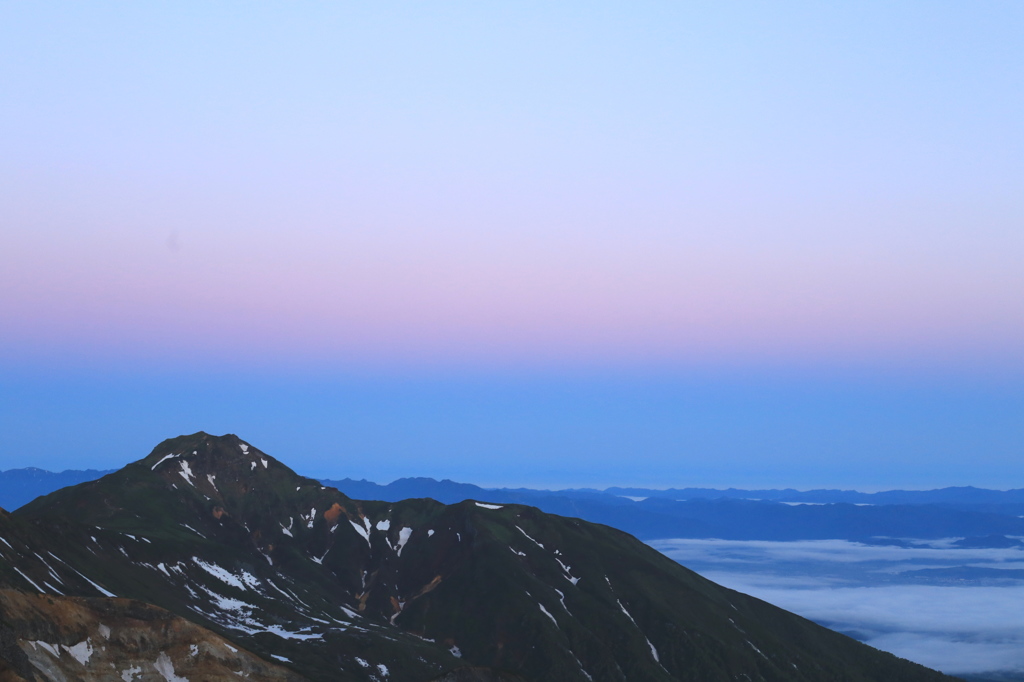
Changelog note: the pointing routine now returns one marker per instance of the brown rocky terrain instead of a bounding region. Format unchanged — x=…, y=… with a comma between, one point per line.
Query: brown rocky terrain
x=44, y=637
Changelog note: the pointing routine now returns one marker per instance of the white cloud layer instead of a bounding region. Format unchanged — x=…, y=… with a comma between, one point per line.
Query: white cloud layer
x=956, y=629
x=832, y=551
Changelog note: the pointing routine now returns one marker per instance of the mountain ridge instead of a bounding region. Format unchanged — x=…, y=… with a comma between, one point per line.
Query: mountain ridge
x=736, y=517
x=216, y=531
x=16, y=484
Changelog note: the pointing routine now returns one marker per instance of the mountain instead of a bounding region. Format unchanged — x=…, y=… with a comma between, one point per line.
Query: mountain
x=960, y=495
x=728, y=517
x=219, y=533
x=21, y=486
x=689, y=512
x=446, y=491
x=451, y=491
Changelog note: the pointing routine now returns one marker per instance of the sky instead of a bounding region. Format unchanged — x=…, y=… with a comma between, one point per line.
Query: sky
x=592, y=244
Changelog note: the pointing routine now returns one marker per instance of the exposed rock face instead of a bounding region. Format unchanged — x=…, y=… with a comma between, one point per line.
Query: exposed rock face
x=61, y=639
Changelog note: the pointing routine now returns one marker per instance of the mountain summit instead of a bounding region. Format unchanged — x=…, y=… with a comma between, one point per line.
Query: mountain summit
x=220, y=533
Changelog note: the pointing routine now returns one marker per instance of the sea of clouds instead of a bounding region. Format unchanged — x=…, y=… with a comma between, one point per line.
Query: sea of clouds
x=870, y=592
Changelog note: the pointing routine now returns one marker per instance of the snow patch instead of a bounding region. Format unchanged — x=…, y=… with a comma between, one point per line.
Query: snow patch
x=244, y=448
x=384, y=525
x=455, y=651
x=38, y=589
x=383, y=669
x=281, y=658
x=529, y=538
x=430, y=533
x=585, y=673
x=561, y=598
x=625, y=611
x=45, y=645
x=162, y=460
x=547, y=613
x=81, y=651
x=104, y=631
x=654, y=652
x=225, y=576
x=489, y=506
x=361, y=530
x=193, y=529
x=287, y=634
x=186, y=473
x=756, y=649
x=264, y=462
x=271, y=583
x=211, y=478
x=165, y=667
x=129, y=674
x=102, y=591
x=403, y=537
x=568, y=575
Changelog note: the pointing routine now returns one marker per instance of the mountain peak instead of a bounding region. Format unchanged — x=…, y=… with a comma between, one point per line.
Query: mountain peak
x=215, y=455
x=226, y=472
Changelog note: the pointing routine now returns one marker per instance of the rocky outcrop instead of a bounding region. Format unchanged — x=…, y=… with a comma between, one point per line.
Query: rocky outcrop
x=72, y=639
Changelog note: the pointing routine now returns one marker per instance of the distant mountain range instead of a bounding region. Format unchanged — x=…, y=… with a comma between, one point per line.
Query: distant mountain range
x=20, y=486
x=450, y=491
x=984, y=517
x=209, y=559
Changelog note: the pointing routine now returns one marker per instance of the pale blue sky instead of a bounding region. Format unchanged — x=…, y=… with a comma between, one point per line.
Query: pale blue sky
x=804, y=219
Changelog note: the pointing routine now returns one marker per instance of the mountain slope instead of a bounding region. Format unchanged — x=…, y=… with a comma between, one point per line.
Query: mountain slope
x=219, y=532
